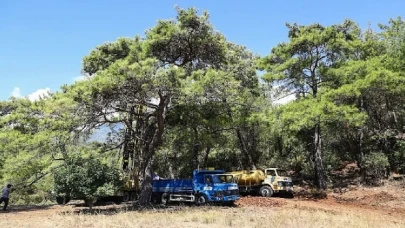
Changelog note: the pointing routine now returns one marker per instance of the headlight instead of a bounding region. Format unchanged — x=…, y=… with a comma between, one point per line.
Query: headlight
x=233, y=188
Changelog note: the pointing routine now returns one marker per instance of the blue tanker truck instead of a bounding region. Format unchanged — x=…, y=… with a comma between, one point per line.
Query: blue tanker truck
x=205, y=186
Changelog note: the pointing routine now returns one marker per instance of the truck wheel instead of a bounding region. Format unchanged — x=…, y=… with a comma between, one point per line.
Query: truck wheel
x=164, y=199
x=266, y=191
x=201, y=200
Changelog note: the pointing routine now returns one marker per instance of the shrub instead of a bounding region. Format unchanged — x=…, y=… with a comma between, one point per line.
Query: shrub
x=86, y=178
x=375, y=165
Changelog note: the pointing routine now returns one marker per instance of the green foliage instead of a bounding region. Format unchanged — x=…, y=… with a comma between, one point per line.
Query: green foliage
x=394, y=37
x=106, y=54
x=188, y=42
x=375, y=165
x=183, y=97
x=397, y=159
x=86, y=178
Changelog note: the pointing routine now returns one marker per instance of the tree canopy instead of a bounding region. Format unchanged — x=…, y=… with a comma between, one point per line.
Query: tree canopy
x=182, y=97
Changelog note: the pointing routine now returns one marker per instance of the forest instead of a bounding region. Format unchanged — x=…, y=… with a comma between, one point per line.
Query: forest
x=182, y=97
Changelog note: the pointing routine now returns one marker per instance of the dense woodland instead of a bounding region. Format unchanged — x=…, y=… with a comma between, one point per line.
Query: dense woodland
x=182, y=97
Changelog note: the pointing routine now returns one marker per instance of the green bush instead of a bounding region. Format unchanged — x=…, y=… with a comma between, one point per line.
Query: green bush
x=375, y=165
x=86, y=178
x=397, y=159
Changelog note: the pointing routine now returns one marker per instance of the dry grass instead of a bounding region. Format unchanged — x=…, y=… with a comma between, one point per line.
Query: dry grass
x=360, y=208
x=208, y=217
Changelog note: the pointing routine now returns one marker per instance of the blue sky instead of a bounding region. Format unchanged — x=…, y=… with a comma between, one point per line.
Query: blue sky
x=43, y=41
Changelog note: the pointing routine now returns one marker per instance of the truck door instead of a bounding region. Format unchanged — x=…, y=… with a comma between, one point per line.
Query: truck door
x=270, y=175
x=208, y=183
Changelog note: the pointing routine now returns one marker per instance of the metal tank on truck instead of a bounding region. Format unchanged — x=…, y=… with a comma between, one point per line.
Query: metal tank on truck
x=204, y=187
x=264, y=182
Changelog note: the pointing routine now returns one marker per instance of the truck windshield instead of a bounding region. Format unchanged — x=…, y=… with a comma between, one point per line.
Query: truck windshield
x=282, y=173
x=222, y=178
x=271, y=172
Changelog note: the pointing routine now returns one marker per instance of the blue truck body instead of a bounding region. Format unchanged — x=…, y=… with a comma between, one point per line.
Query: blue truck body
x=205, y=186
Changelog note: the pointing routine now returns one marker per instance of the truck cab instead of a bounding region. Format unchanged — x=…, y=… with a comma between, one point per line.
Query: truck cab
x=215, y=186
x=279, y=180
x=264, y=182
x=205, y=186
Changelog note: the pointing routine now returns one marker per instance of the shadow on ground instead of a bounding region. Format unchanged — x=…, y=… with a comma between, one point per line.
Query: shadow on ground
x=111, y=209
x=25, y=208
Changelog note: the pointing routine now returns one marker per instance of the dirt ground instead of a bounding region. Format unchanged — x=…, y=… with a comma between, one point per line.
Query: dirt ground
x=386, y=202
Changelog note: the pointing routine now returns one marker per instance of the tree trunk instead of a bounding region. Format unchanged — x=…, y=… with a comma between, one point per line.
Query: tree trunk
x=242, y=143
x=146, y=189
x=244, y=150
x=253, y=144
x=146, y=166
x=89, y=201
x=196, y=149
x=153, y=139
x=319, y=169
x=171, y=174
x=360, y=160
x=207, y=153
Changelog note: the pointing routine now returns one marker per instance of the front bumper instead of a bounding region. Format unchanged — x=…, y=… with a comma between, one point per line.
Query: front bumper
x=224, y=198
x=285, y=187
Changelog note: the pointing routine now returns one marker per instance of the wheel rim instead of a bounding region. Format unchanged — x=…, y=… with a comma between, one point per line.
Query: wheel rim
x=201, y=200
x=265, y=192
x=164, y=198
